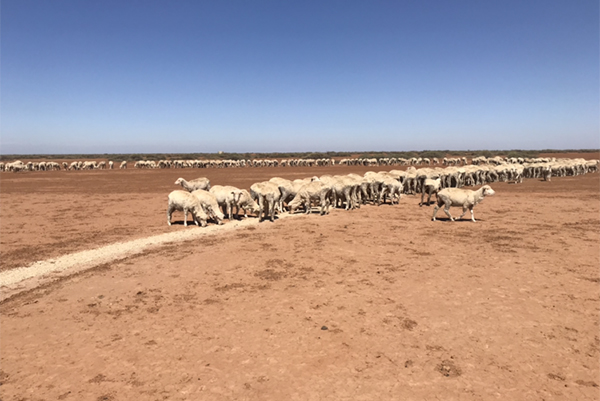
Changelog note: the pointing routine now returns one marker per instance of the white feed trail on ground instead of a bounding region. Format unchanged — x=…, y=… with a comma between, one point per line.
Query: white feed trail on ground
x=16, y=280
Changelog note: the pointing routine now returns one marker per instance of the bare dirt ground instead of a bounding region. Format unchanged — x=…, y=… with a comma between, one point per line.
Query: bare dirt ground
x=375, y=303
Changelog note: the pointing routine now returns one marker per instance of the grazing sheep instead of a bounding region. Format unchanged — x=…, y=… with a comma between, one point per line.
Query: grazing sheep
x=123, y=165
x=245, y=202
x=228, y=197
x=198, y=183
x=287, y=191
x=390, y=187
x=15, y=166
x=225, y=196
x=186, y=202
x=461, y=197
x=90, y=165
x=313, y=191
x=430, y=186
x=111, y=165
x=547, y=173
x=343, y=190
x=267, y=194
x=209, y=204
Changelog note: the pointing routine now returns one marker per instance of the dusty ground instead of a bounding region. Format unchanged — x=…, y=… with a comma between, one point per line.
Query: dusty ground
x=376, y=303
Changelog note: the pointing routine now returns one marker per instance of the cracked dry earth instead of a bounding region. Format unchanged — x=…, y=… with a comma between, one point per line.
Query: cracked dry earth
x=375, y=303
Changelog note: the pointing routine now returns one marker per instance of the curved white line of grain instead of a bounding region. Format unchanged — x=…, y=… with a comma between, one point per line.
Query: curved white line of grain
x=14, y=281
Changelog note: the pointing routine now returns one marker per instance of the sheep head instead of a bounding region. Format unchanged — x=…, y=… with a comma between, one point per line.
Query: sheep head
x=295, y=204
x=252, y=206
x=487, y=190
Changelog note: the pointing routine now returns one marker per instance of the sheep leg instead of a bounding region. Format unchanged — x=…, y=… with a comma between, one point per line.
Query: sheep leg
x=272, y=209
x=447, y=211
x=348, y=198
x=227, y=210
x=465, y=208
x=381, y=196
x=169, y=213
x=261, y=205
x=324, y=205
x=185, y=212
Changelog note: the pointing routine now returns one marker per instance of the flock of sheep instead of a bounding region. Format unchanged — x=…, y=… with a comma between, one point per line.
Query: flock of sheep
x=350, y=191
x=19, y=166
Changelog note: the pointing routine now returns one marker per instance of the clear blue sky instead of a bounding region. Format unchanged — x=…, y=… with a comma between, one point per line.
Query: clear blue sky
x=267, y=76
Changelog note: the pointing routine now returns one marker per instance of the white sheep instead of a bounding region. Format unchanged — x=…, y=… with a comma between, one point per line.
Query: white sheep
x=391, y=187
x=245, y=202
x=225, y=196
x=186, y=202
x=123, y=165
x=228, y=196
x=198, y=183
x=461, y=197
x=267, y=194
x=313, y=191
x=209, y=204
x=430, y=186
x=287, y=191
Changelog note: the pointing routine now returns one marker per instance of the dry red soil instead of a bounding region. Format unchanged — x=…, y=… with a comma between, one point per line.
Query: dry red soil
x=374, y=303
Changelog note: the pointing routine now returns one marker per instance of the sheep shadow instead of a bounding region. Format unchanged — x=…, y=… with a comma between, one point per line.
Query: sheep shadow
x=275, y=218
x=456, y=220
x=180, y=223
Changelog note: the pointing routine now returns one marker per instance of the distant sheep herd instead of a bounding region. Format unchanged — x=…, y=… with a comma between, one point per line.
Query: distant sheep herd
x=350, y=191
x=19, y=166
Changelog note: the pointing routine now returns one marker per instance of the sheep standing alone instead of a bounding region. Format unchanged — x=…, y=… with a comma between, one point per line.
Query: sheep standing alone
x=186, y=202
x=461, y=197
x=191, y=186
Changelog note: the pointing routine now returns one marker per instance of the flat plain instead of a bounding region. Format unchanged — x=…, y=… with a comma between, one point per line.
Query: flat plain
x=373, y=303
